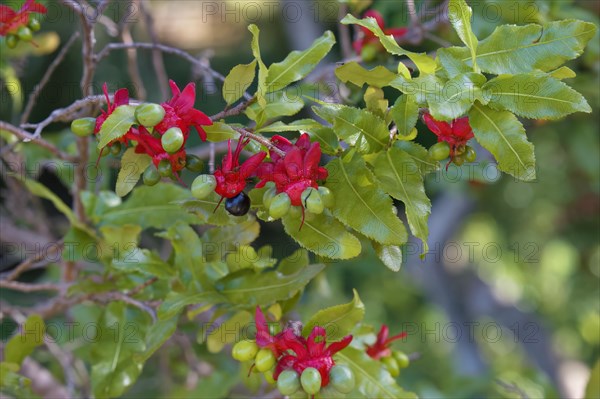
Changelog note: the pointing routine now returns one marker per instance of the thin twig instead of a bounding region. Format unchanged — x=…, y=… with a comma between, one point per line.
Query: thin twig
x=28, y=137
x=157, y=60
x=25, y=287
x=237, y=110
x=28, y=263
x=132, y=65
x=260, y=139
x=344, y=30
x=38, y=89
x=142, y=286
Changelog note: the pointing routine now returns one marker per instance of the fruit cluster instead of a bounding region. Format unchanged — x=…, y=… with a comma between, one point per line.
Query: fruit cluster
x=292, y=178
x=299, y=366
x=393, y=360
x=452, y=140
x=17, y=25
x=160, y=131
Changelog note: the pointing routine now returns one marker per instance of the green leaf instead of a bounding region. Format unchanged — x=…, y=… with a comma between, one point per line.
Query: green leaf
x=563, y=73
x=420, y=155
x=501, y=133
x=521, y=49
x=188, y=254
x=456, y=96
x=143, y=261
x=116, y=125
x=534, y=95
x=132, y=167
x=451, y=58
x=237, y=81
x=425, y=63
x=405, y=113
x=372, y=378
x=459, y=14
x=277, y=104
x=261, y=90
x=399, y=176
x=295, y=126
x=375, y=101
x=389, y=255
x=176, y=301
x=151, y=207
x=338, y=320
x=219, y=131
x=299, y=63
x=114, y=369
x=224, y=239
x=251, y=289
x=323, y=235
x=354, y=73
x=23, y=343
x=157, y=335
x=358, y=127
x=364, y=206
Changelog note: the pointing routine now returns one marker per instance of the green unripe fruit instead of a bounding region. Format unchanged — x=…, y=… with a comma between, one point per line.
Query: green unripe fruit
x=83, y=127
x=268, y=196
x=116, y=148
x=327, y=197
x=164, y=168
x=459, y=160
x=342, y=379
x=172, y=140
x=311, y=199
x=311, y=380
x=244, y=351
x=24, y=33
x=12, y=41
x=265, y=360
x=392, y=366
x=203, y=186
x=269, y=377
x=439, y=151
x=402, y=359
x=34, y=25
x=104, y=151
x=470, y=154
x=149, y=115
x=193, y=163
x=368, y=53
x=151, y=176
x=288, y=382
x=280, y=205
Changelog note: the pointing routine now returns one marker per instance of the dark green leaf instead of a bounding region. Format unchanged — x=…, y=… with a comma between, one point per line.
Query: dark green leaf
x=405, y=113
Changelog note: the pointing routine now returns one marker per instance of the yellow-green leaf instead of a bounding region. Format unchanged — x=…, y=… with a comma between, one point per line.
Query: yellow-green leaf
x=354, y=73
x=459, y=14
x=237, y=81
x=338, y=320
x=116, y=125
x=132, y=167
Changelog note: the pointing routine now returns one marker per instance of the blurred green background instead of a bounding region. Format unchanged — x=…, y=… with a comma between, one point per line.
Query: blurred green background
x=507, y=304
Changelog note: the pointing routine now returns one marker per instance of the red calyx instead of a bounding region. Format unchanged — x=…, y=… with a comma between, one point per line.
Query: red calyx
x=381, y=347
x=456, y=133
x=296, y=171
x=11, y=20
x=232, y=177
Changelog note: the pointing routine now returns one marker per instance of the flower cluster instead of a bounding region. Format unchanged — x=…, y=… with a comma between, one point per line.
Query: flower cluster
x=296, y=171
x=381, y=350
x=452, y=139
x=295, y=361
x=367, y=39
x=162, y=130
x=231, y=176
x=11, y=20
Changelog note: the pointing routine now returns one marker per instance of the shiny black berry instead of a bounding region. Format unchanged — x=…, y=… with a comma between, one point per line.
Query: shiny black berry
x=238, y=205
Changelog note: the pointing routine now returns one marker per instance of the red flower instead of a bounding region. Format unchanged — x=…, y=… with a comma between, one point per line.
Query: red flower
x=152, y=146
x=296, y=171
x=455, y=133
x=381, y=347
x=368, y=37
x=121, y=97
x=309, y=352
x=11, y=20
x=296, y=352
x=180, y=112
x=231, y=177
